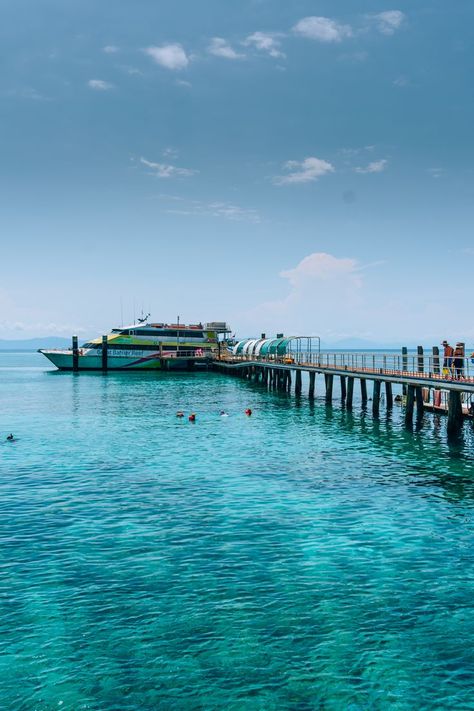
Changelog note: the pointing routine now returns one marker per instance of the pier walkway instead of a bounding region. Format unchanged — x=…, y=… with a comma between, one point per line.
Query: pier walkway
x=424, y=380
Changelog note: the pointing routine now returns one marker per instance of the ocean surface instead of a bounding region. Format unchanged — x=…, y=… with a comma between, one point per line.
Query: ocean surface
x=302, y=558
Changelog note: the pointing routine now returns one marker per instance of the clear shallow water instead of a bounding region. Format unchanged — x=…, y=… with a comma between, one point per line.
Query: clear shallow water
x=304, y=558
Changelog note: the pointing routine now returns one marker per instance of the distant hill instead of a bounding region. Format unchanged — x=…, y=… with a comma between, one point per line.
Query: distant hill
x=32, y=344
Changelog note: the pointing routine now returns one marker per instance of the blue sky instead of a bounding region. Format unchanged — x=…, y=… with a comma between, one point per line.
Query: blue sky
x=303, y=167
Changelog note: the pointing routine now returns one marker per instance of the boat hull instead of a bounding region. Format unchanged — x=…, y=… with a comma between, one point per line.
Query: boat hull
x=63, y=360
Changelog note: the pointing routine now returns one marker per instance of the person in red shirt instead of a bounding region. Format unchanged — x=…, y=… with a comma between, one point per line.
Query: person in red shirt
x=448, y=356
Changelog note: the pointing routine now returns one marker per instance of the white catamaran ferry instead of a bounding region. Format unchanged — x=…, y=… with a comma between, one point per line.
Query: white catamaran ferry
x=144, y=346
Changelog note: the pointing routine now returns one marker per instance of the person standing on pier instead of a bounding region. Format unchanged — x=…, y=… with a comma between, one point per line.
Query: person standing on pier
x=448, y=358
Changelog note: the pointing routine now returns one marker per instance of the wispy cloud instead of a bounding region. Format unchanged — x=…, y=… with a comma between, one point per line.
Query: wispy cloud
x=43, y=328
x=219, y=47
x=436, y=172
x=354, y=57
x=218, y=209
x=131, y=71
x=305, y=171
x=28, y=92
x=170, y=152
x=377, y=166
x=388, y=22
x=401, y=81
x=99, y=85
x=265, y=42
x=323, y=29
x=165, y=170
x=170, y=56
x=110, y=49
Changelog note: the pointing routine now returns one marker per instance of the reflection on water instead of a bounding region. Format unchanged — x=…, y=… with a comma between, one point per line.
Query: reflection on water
x=305, y=557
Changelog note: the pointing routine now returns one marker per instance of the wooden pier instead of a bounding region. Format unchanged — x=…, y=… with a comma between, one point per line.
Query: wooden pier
x=421, y=377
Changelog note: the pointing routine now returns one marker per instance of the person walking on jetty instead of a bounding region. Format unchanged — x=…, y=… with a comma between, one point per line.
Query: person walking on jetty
x=448, y=358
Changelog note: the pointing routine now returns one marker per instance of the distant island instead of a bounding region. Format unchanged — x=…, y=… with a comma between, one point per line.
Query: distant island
x=32, y=344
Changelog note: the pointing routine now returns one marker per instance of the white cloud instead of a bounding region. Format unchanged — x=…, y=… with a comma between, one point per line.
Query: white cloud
x=305, y=171
x=110, y=49
x=170, y=56
x=99, y=85
x=322, y=29
x=321, y=266
x=182, y=82
x=318, y=278
x=165, y=170
x=377, y=166
x=220, y=48
x=265, y=42
x=388, y=22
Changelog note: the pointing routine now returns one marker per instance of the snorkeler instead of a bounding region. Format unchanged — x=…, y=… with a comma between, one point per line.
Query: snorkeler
x=10, y=437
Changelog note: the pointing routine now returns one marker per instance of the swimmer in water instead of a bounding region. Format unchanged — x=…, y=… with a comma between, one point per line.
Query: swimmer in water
x=224, y=413
x=248, y=412
x=192, y=417
x=10, y=437
x=180, y=413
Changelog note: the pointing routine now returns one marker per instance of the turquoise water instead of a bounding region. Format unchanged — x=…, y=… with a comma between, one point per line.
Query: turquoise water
x=303, y=558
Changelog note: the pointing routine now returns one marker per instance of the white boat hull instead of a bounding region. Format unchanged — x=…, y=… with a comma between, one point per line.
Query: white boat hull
x=131, y=360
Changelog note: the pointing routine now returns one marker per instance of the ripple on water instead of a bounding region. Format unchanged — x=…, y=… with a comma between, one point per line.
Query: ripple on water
x=303, y=558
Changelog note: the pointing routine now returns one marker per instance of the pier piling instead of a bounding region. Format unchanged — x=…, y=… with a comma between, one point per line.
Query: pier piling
x=376, y=398
x=298, y=382
x=436, y=364
x=419, y=403
x=421, y=360
x=404, y=366
x=343, y=388
x=389, y=395
x=409, y=405
x=363, y=391
x=75, y=353
x=312, y=378
x=105, y=349
x=350, y=392
x=454, y=412
x=329, y=383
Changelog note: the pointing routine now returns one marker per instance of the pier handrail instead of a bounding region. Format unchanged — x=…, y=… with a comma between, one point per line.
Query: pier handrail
x=389, y=364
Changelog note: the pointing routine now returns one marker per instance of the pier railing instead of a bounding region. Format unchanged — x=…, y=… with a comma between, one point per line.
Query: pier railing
x=389, y=364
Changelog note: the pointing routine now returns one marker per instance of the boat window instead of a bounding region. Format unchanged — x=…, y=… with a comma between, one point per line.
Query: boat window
x=166, y=333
